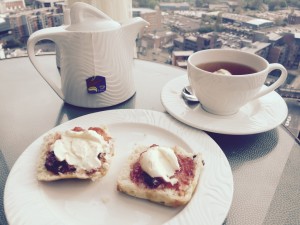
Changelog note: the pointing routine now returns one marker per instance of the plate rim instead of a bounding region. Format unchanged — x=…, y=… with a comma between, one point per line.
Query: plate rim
x=124, y=111
x=184, y=80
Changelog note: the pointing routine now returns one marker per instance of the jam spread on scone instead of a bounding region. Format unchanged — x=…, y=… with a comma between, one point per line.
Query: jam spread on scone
x=55, y=166
x=182, y=176
x=78, y=149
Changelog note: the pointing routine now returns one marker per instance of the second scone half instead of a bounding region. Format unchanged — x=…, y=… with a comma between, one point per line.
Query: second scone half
x=165, y=175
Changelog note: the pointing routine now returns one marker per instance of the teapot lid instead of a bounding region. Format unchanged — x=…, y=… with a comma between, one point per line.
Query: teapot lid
x=85, y=17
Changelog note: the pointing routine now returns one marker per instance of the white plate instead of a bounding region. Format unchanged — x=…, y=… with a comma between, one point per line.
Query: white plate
x=258, y=116
x=27, y=201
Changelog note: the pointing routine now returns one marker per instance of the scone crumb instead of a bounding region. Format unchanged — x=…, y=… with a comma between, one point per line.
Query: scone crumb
x=105, y=199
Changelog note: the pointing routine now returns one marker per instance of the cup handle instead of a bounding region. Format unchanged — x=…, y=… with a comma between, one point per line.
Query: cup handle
x=44, y=34
x=278, y=82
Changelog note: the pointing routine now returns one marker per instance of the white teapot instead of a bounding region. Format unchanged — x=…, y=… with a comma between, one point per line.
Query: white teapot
x=96, y=56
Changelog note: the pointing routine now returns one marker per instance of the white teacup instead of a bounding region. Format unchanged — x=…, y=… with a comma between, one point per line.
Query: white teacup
x=225, y=94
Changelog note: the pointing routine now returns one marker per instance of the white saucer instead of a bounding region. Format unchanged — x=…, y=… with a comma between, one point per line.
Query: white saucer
x=258, y=116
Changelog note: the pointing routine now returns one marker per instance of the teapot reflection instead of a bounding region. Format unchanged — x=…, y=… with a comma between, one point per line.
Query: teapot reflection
x=96, y=55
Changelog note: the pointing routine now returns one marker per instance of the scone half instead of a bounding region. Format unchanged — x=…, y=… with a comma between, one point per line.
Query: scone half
x=74, y=146
x=133, y=181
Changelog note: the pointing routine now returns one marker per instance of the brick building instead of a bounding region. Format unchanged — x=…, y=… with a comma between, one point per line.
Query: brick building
x=197, y=43
x=10, y=5
x=25, y=23
x=294, y=18
x=179, y=58
x=152, y=16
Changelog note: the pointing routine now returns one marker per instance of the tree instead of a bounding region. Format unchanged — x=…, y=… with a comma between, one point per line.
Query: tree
x=198, y=3
x=148, y=3
x=283, y=4
x=272, y=5
x=206, y=29
x=277, y=4
x=254, y=4
x=13, y=43
x=218, y=23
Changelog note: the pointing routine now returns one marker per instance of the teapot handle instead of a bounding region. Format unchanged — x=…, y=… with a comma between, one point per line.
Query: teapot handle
x=44, y=34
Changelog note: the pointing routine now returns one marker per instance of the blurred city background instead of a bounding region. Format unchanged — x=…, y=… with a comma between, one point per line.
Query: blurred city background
x=269, y=28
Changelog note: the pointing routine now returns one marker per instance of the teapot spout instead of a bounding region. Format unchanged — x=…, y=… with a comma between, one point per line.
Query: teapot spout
x=132, y=28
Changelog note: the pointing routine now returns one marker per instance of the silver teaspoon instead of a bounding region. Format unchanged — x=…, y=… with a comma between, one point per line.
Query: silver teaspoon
x=188, y=95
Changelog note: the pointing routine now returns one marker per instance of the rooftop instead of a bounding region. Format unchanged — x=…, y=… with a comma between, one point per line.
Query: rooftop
x=176, y=4
x=273, y=36
x=237, y=17
x=182, y=63
x=297, y=35
x=143, y=10
x=255, y=47
x=191, y=38
x=258, y=21
x=182, y=53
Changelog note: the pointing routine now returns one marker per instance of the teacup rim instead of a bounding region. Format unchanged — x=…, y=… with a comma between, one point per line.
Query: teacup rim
x=266, y=63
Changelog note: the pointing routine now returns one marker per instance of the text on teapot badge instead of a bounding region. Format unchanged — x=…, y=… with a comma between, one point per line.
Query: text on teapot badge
x=96, y=84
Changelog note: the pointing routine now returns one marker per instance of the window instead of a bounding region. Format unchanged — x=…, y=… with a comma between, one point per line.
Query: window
x=177, y=28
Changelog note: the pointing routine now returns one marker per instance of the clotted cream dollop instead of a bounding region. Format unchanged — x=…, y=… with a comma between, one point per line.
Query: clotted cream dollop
x=160, y=162
x=81, y=148
x=222, y=72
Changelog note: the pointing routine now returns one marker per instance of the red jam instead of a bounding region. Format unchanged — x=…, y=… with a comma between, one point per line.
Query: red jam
x=55, y=166
x=185, y=175
x=99, y=130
